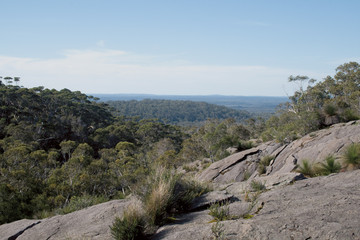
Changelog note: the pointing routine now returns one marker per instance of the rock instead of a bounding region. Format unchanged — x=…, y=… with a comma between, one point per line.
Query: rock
x=317, y=208
x=234, y=167
x=91, y=223
x=317, y=146
x=209, y=198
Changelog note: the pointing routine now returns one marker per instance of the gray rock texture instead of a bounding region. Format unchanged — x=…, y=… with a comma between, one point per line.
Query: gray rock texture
x=90, y=223
x=316, y=208
x=314, y=147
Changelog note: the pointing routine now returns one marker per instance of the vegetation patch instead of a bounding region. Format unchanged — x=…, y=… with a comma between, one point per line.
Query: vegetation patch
x=264, y=162
x=351, y=156
x=220, y=212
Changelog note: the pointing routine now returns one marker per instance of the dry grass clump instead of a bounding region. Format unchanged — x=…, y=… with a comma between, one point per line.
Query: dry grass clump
x=351, y=156
x=162, y=195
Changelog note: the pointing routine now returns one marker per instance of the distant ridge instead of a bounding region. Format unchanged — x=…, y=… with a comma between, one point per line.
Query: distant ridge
x=252, y=104
x=182, y=112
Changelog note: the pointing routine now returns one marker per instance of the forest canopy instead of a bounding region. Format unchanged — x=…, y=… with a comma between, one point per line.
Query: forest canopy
x=176, y=111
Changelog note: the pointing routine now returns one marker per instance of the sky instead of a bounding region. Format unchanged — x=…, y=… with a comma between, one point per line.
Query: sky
x=187, y=47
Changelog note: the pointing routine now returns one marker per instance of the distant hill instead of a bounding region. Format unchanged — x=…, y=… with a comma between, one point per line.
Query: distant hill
x=252, y=104
x=176, y=111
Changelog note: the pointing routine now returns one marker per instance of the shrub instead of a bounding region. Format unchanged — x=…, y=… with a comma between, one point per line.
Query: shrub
x=330, y=110
x=351, y=155
x=131, y=226
x=329, y=166
x=306, y=168
x=166, y=193
x=247, y=175
x=257, y=186
x=349, y=115
x=264, y=162
x=217, y=230
x=243, y=145
x=159, y=196
x=77, y=203
x=220, y=212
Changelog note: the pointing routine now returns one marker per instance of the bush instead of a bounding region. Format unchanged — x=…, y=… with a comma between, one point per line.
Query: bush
x=131, y=226
x=306, y=168
x=330, y=110
x=77, y=203
x=349, y=115
x=264, y=162
x=165, y=194
x=257, y=186
x=160, y=197
x=329, y=166
x=351, y=155
x=217, y=230
x=243, y=145
x=220, y=212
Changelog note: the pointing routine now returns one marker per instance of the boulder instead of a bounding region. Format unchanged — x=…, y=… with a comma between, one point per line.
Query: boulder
x=90, y=223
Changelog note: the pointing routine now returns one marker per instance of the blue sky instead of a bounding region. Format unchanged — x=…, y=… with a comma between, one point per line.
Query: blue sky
x=196, y=47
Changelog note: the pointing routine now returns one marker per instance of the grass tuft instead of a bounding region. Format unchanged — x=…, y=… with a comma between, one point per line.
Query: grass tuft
x=351, y=156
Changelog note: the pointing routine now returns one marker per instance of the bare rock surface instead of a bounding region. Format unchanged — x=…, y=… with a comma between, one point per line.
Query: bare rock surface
x=318, y=208
x=314, y=147
x=90, y=223
x=234, y=167
x=209, y=198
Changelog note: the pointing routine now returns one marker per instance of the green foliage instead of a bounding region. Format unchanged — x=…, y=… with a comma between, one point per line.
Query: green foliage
x=330, y=109
x=176, y=112
x=220, y=212
x=243, y=145
x=257, y=186
x=312, y=103
x=351, y=156
x=329, y=166
x=217, y=230
x=264, y=162
x=165, y=193
x=306, y=168
x=130, y=227
x=84, y=201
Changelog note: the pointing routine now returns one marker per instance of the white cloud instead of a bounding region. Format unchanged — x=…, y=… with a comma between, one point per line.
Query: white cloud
x=114, y=71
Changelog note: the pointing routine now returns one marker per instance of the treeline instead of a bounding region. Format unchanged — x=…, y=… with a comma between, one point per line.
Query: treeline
x=176, y=111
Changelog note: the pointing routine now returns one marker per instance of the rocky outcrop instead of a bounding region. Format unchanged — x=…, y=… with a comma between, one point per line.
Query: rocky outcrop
x=314, y=147
x=316, y=208
x=90, y=223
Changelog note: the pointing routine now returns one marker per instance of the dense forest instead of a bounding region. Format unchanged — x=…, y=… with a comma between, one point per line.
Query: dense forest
x=176, y=112
x=59, y=149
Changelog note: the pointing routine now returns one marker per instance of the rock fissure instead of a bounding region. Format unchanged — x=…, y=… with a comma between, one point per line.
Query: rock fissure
x=227, y=168
x=15, y=236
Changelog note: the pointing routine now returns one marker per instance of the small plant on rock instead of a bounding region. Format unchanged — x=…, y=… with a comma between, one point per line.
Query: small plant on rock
x=218, y=232
x=306, y=168
x=329, y=166
x=220, y=212
x=257, y=186
x=264, y=162
x=131, y=226
x=351, y=155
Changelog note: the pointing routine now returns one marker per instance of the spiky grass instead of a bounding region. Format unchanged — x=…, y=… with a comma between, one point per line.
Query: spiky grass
x=351, y=155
